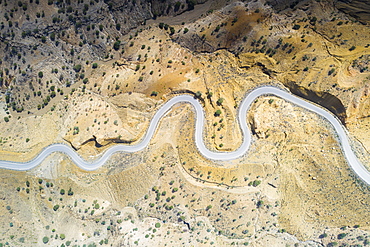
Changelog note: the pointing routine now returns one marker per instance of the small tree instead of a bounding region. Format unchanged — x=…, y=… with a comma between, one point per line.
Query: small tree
x=217, y=113
x=94, y=65
x=62, y=191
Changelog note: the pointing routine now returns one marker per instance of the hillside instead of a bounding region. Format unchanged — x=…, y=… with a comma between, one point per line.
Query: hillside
x=91, y=74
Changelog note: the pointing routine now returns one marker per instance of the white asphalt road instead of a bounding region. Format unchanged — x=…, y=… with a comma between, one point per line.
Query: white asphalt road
x=354, y=163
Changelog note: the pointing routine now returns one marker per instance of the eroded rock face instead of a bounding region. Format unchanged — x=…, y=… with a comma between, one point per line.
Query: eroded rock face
x=280, y=5
x=360, y=9
x=324, y=99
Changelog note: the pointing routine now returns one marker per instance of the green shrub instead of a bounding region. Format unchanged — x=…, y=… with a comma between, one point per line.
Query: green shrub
x=94, y=65
x=77, y=68
x=117, y=45
x=70, y=192
x=342, y=235
x=296, y=27
x=331, y=71
x=256, y=183
x=45, y=240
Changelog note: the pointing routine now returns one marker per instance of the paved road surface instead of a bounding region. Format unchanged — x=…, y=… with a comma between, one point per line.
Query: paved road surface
x=353, y=162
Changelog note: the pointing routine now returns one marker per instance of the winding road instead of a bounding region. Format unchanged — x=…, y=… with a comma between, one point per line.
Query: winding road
x=352, y=160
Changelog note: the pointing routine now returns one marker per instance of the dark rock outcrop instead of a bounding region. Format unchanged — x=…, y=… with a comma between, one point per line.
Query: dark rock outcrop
x=359, y=9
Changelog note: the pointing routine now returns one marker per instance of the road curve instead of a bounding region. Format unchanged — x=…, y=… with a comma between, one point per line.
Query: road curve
x=354, y=163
